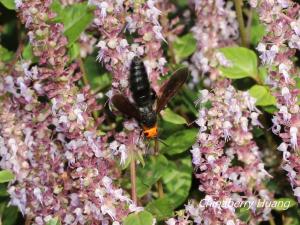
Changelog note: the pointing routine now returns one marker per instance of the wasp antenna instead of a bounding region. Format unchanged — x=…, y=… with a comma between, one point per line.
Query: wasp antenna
x=161, y=141
x=189, y=124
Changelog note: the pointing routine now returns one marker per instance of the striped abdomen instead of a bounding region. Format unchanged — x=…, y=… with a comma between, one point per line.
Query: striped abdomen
x=139, y=83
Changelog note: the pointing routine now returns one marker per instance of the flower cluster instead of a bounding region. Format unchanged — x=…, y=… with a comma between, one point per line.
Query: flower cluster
x=228, y=161
x=115, y=19
x=282, y=21
x=215, y=27
x=48, y=137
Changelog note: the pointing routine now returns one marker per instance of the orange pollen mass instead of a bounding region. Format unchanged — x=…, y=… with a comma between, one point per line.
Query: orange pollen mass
x=150, y=132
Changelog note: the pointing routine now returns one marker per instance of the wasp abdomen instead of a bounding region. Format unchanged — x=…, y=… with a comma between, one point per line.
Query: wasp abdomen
x=139, y=83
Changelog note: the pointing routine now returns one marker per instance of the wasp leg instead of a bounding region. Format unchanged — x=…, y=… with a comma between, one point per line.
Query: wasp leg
x=140, y=135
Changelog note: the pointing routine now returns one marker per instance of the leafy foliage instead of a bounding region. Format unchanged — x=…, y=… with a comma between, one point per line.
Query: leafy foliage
x=177, y=180
x=75, y=18
x=141, y=218
x=9, y=4
x=172, y=166
x=243, y=63
x=160, y=208
x=184, y=46
x=179, y=141
x=150, y=174
x=172, y=117
x=6, y=176
x=262, y=95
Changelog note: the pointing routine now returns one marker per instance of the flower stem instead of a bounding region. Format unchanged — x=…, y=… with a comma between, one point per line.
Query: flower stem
x=272, y=221
x=84, y=77
x=239, y=14
x=160, y=188
x=133, y=181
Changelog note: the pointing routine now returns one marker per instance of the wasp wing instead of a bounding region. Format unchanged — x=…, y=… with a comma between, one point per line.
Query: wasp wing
x=125, y=106
x=170, y=88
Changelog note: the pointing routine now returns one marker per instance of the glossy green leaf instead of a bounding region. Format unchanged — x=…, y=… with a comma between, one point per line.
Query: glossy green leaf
x=243, y=63
x=54, y=221
x=297, y=79
x=97, y=78
x=262, y=95
x=10, y=215
x=257, y=29
x=182, y=3
x=74, y=51
x=184, y=46
x=3, y=190
x=270, y=109
x=282, y=204
x=257, y=132
x=5, y=55
x=6, y=176
x=177, y=180
x=9, y=4
x=172, y=117
x=141, y=218
x=75, y=18
x=262, y=74
x=150, y=173
x=27, y=54
x=179, y=142
x=244, y=214
x=161, y=208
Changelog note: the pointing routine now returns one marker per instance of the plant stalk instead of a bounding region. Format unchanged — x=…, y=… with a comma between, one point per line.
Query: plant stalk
x=240, y=19
x=133, y=181
x=160, y=188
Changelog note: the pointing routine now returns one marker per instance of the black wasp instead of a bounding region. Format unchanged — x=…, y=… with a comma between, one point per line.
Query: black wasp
x=144, y=96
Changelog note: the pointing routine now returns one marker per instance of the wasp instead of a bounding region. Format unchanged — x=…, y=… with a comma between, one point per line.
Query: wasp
x=143, y=109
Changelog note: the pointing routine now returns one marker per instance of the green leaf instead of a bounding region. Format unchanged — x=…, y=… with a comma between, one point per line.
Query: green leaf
x=54, y=221
x=297, y=79
x=5, y=55
x=74, y=51
x=150, y=174
x=97, y=78
x=6, y=176
x=262, y=74
x=179, y=141
x=3, y=190
x=184, y=46
x=270, y=109
x=262, y=95
x=258, y=30
x=9, y=4
x=27, y=54
x=160, y=208
x=75, y=18
x=141, y=218
x=243, y=63
x=181, y=3
x=170, y=116
x=10, y=215
x=177, y=180
x=244, y=214
x=257, y=132
x=282, y=204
